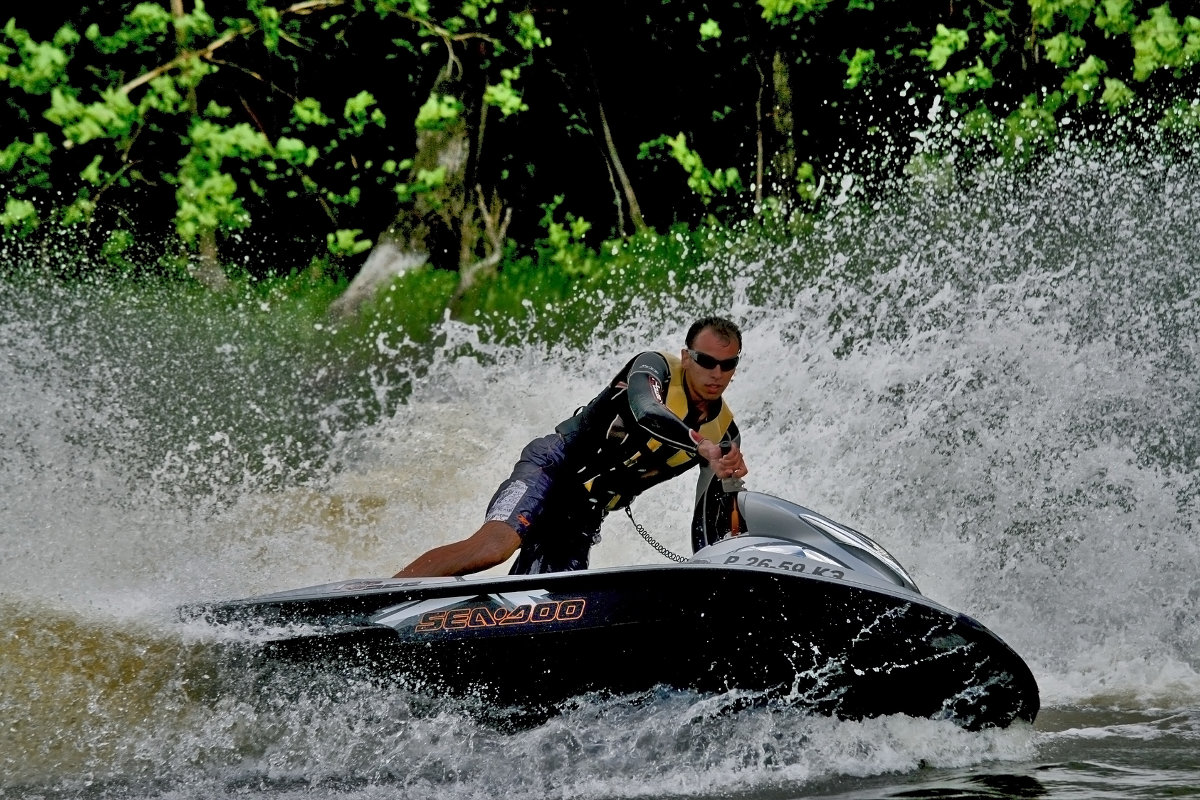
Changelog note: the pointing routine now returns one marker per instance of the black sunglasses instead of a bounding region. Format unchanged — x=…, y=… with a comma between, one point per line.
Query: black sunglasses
x=708, y=362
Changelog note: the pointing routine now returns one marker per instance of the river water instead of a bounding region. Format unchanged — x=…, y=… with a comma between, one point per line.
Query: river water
x=1000, y=381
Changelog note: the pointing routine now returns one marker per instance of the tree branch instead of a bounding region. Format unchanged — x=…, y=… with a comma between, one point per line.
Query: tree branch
x=306, y=7
x=183, y=58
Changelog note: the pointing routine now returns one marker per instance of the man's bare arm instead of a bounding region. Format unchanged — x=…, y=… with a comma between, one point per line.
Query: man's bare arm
x=490, y=545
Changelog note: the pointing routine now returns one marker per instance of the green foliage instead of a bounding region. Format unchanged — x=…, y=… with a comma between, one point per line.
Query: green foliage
x=705, y=183
x=19, y=218
x=1013, y=80
x=427, y=181
x=39, y=66
x=207, y=195
x=361, y=110
x=541, y=297
x=504, y=95
x=1083, y=82
x=27, y=162
x=409, y=309
x=1116, y=94
x=966, y=79
x=945, y=43
x=112, y=117
x=807, y=183
x=295, y=151
x=1030, y=127
x=1183, y=115
x=858, y=66
x=564, y=244
x=1115, y=17
x=1048, y=13
x=144, y=27
x=307, y=111
x=785, y=12
x=117, y=250
x=211, y=124
x=1161, y=42
x=347, y=242
x=438, y=111
x=296, y=121
x=525, y=32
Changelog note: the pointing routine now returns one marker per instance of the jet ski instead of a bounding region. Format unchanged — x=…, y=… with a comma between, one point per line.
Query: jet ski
x=779, y=605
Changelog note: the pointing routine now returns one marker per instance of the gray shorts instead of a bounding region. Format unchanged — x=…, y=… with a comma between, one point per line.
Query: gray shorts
x=557, y=522
x=523, y=497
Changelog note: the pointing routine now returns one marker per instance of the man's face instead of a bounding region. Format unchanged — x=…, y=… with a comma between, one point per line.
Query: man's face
x=708, y=383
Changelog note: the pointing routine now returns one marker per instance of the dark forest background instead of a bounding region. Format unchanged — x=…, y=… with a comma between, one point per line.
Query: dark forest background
x=247, y=138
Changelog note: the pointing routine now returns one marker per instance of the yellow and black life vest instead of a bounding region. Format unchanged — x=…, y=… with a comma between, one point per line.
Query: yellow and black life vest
x=616, y=458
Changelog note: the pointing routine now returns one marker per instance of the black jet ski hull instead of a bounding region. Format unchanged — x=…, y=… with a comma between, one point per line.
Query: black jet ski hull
x=789, y=633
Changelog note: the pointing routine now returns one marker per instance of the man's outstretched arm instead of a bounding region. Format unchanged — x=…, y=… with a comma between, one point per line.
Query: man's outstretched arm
x=492, y=544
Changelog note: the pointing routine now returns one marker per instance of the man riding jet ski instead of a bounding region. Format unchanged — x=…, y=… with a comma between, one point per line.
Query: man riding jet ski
x=778, y=604
x=660, y=416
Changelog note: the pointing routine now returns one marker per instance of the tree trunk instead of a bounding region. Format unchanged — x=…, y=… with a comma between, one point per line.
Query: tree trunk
x=783, y=158
x=438, y=227
x=495, y=219
x=617, y=170
x=205, y=268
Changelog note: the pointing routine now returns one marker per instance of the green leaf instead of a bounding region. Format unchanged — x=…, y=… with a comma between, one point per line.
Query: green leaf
x=1076, y=13
x=361, y=111
x=113, y=117
x=1183, y=115
x=1115, y=16
x=1084, y=81
x=525, y=31
x=438, y=111
x=91, y=173
x=504, y=95
x=1116, y=94
x=785, y=12
x=307, y=111
x=78, y=212
x=346, y=242
x=41, y=66
x=1161, y=42
x=146, y=25
x=858, y=67
x=701, y=180
x=945, y=43
x=19, y=218
x=28, y=156
x=1061, y=48
x=976, y=76
x=295, y=151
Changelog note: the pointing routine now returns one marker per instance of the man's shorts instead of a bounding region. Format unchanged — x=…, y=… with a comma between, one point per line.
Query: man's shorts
x=522, y=498
x=557, y=522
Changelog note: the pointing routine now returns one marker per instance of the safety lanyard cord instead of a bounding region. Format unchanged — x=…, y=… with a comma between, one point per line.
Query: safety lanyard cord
x=653, y=542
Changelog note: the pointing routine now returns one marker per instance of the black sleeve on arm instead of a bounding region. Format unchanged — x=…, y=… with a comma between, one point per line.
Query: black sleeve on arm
x=648, y=380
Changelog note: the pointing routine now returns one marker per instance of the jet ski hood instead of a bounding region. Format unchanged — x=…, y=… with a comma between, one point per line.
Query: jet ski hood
x=773, y=525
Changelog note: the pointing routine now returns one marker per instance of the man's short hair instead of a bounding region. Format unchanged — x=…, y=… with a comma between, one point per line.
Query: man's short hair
x=722, y=327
